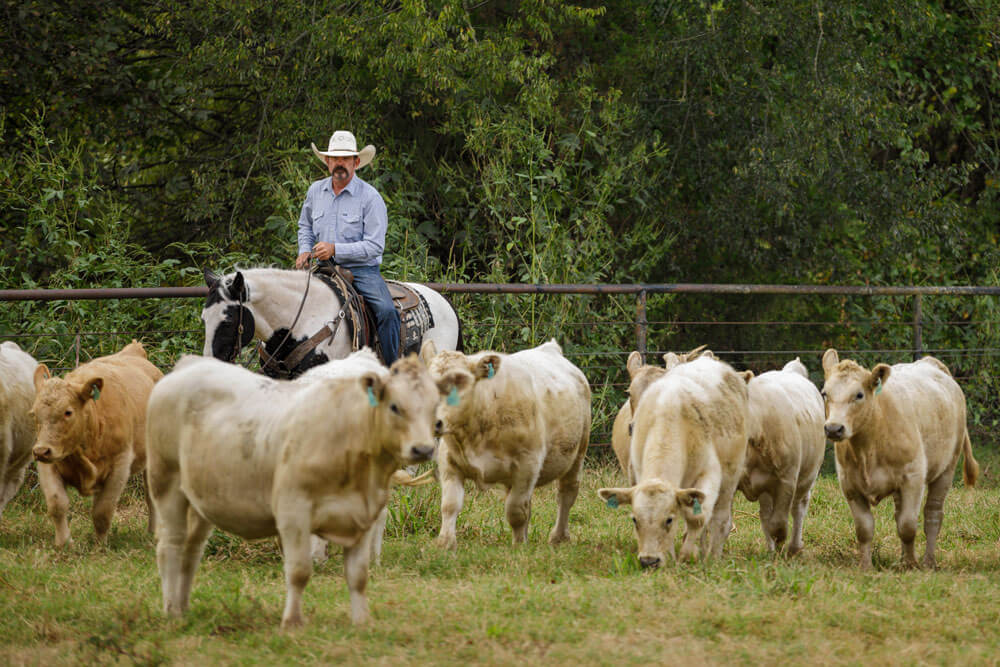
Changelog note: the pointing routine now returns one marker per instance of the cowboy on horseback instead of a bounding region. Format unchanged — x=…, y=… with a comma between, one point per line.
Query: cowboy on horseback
x=344, y=221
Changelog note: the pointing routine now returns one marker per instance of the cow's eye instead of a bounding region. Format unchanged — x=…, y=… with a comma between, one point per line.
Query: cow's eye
x=668, y=522
x=68, y=413
x=858, y=396
x=634, y=522
x=394, y=408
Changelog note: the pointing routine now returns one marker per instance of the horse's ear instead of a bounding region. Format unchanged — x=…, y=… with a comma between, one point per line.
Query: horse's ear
x=238, y=287
x=210, y=278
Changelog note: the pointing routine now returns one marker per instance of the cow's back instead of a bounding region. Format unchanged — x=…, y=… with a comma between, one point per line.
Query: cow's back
x=924, y=394
x=219, y=427
x=691, y=419
x=786, y=420
x=17, y=392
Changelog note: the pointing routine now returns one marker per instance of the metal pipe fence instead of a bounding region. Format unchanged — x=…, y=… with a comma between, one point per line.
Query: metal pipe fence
x=738, y=322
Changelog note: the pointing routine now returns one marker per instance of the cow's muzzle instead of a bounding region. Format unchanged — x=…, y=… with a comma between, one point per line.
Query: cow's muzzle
x=420, y=453
x=42, y=453
x=834, y=431
x=650, y=561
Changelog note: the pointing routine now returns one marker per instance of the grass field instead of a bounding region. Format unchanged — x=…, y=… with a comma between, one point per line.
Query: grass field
x=489, y=603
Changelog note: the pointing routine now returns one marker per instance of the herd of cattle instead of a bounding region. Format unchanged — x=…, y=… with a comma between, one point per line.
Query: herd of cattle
x=312, y=460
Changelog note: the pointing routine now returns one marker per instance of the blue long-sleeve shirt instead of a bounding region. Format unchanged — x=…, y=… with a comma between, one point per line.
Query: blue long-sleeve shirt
x=355, y=221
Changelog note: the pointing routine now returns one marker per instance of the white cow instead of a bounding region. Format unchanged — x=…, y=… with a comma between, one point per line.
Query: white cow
x=259, y=457
x=688, y=447
x=785, y=450
x=897, y=430
x=17, y=426
x=521, y=420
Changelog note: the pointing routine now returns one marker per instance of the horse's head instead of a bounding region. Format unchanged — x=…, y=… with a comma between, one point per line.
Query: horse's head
x=228, y=316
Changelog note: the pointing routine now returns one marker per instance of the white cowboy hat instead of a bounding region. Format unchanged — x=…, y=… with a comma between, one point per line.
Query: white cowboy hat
x=343, y=143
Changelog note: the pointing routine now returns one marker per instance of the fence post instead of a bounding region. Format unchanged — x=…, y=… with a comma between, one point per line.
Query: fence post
x=76, y=347
x=918, y=325
x=641, y=325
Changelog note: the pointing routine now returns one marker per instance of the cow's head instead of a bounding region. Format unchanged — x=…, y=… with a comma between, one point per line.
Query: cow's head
x=456, y=374
x=405, y=405
x=228, y=316
x=657, y=509
x=65, y=414
x=849, y=394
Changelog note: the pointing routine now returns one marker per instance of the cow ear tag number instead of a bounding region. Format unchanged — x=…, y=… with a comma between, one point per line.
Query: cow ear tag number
x=697, y=507
x=372, y=401
x=613, y=502
x=453, y=396
x=95, y=393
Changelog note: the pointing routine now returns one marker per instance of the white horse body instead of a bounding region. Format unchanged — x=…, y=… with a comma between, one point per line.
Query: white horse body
x=269, y=300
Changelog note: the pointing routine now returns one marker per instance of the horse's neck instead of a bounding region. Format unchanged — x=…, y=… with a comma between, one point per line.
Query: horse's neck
x=276, y=296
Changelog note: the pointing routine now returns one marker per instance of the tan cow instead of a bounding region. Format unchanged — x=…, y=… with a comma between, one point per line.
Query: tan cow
x=785, y=450
x=91, y=434
x=17, y=428
x=259, y=457
x=521, y=420
x=688, y=446
x=896, y=429
x=641, y=375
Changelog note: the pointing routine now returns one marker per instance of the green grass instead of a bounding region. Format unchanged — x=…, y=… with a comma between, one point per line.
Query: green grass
x=487, y=602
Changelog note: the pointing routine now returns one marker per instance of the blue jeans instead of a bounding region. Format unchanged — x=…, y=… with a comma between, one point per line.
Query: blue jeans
x=370, y=284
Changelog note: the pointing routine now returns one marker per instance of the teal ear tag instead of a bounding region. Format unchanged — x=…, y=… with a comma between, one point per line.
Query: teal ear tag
x=371, y=398
x=878, y=387
x=697, y=507
x=95, y=393
x=491, y=372
x=453, y=396
x=613, y=502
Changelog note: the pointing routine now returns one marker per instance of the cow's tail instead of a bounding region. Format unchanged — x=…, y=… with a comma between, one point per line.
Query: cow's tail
x=403, y=478
x=970, y=467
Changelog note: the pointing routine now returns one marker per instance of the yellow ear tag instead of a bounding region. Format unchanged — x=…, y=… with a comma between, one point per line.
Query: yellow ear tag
x=697, y=507
x=613, y=502
x=95, y=393
x=372, y=401
x=453, y=396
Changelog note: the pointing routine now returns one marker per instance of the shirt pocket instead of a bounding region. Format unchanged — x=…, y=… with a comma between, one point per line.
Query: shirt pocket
x=351, y=225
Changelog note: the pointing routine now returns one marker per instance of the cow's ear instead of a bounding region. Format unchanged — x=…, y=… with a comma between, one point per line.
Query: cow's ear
x=374, y=387
x=616, y=497
x=91, y=389
x=211, y=279
x=634, y=363
x=487, y=366
x=747, y=376
x=41, y=375
x=830, y=360
x=696, y=352
x=671, y=360
x=877, y=379
x=238, y=288
x=428, y=351
x=690, y=500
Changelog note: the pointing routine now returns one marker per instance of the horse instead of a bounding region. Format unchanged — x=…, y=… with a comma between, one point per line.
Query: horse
x=288, y=311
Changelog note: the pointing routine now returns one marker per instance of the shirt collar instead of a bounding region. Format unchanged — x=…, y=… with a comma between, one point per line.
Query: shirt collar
x=351, y=187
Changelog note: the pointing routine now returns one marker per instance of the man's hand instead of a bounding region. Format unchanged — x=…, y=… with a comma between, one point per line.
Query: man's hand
x=323, y=250
x=302, y=260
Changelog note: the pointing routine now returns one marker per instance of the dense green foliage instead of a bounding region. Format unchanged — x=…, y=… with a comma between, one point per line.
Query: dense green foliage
x=534, y=141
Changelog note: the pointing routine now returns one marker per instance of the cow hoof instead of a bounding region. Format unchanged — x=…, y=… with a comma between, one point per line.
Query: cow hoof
x=292, y=622
x=559, y=539
x=929, y=563
x=449, y=543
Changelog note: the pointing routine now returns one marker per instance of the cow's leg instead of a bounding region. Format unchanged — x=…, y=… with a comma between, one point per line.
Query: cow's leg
x=766, y=509
x=106, y=499
x=378, y=532
x=56, y=501
x=800, y=505
x=295, y=543
x=569, y=488
x=864, y=528
x=907, y=501
x=198, y=531
x=777, y=523
x=934, y=513
x=452, y=498
x=356, y=560
x=722, y=518
x=517, y=507
x=172, y=513
x=151, y=523
x=318, y=547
